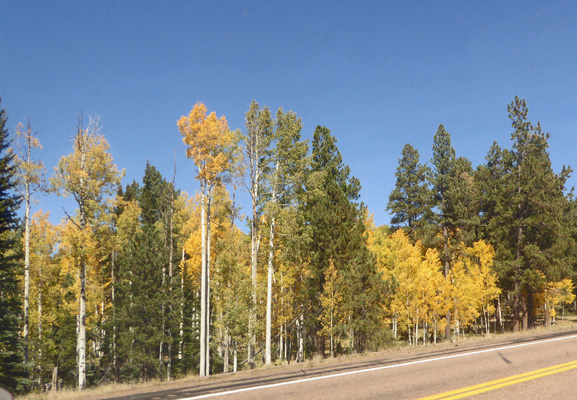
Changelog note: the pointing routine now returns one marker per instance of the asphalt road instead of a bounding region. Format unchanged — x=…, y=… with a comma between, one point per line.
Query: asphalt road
x=535, y=366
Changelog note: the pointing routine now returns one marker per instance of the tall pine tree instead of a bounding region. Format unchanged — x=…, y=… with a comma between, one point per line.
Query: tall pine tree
x=336, y=232
x=12, y=371
x=528, y=225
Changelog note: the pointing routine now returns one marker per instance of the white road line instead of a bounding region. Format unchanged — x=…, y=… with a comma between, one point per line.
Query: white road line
x=360, y=371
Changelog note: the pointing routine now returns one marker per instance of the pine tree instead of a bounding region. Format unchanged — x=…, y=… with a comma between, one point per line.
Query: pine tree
x=528, y=225
x=410, y=200
x=441, y=179
x=12, y=372
x=336, y=231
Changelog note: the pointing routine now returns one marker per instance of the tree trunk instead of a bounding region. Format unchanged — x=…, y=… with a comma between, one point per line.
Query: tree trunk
x=181, y=330
x=225, y=360
x=113, y=301
x=268, y=359
x=203, y=283
x=81, y=343
x=208, y=308
x=26, y=328
x=254, y=256
x=447, y=272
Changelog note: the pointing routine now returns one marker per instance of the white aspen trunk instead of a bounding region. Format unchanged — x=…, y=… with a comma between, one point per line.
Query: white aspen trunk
x=226, y=350
x=181, y=330
x=447, y=271
x=113, y=297
x=203, y=291
x=25, y=332
x=435, y=331
x=331, y=336
x=39, y=329
x=394, y=326
x=235, y=359
x=281, y=342
x=82, y=329
x=300, y=338
x=268, y=358
x=254, y=255
x=81, y=342
x=417, y=328
x=409, y=328
x=208, y=308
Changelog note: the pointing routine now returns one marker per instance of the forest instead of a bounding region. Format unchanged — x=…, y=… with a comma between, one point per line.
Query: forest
x=143, y=281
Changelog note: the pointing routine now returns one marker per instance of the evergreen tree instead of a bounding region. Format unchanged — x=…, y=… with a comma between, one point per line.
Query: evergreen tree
x=146, y=310
x=529, y=228
x=335, y=223
x=12, y=372
x=463, y=201
x=410, y=200
x=441, y=179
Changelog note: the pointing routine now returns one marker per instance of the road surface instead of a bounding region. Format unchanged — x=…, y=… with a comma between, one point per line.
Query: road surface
x=540, y=366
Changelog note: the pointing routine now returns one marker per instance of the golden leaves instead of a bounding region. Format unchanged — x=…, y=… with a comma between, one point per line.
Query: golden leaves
x=208, y=139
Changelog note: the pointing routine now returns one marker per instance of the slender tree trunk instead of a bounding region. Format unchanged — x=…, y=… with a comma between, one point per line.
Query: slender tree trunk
x=82, y=328
x=447, y=273
x=254, y=260
x=268, y=359
x=114, y=328
x=225, y=360
x=170, y=273
x=203, y=283
x=208, y=307
x=300, y=339
x=81, y=342
x=26, y=269
x=235, y=359
x=181, y=331
x=39, y=329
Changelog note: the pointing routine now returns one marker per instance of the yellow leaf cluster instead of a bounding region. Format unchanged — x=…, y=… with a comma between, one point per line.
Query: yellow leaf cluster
x=208, y=139
x=421, y=295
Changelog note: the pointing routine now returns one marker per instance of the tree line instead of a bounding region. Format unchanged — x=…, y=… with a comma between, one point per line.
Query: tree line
x=144, y=281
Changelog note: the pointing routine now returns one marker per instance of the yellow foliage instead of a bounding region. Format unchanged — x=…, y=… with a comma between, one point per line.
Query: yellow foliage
x=208, y=139
x=554, y=294
x=421, y=296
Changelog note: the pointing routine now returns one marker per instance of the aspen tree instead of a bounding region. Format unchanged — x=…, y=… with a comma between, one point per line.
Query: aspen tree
x=30, y=178
x=88, y=174
x=209, y=142
x=256, y=160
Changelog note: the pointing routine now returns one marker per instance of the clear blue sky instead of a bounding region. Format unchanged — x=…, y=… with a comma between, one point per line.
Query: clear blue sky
x=379, y=74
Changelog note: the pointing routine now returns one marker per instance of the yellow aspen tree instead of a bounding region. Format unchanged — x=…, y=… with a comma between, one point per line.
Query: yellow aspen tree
x=44, y=294
x=437, y=287
x=474, y=283
x=209, y=142
x=552, y=295
x=331, y=300
x=89, y=175
x=30, y=175
x=402, y=261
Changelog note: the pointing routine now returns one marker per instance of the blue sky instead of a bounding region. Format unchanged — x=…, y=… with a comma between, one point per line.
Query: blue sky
x=378, y=74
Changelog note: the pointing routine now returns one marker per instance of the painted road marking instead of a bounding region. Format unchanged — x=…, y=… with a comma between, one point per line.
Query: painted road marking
x=503, y=382
x=360, y=371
